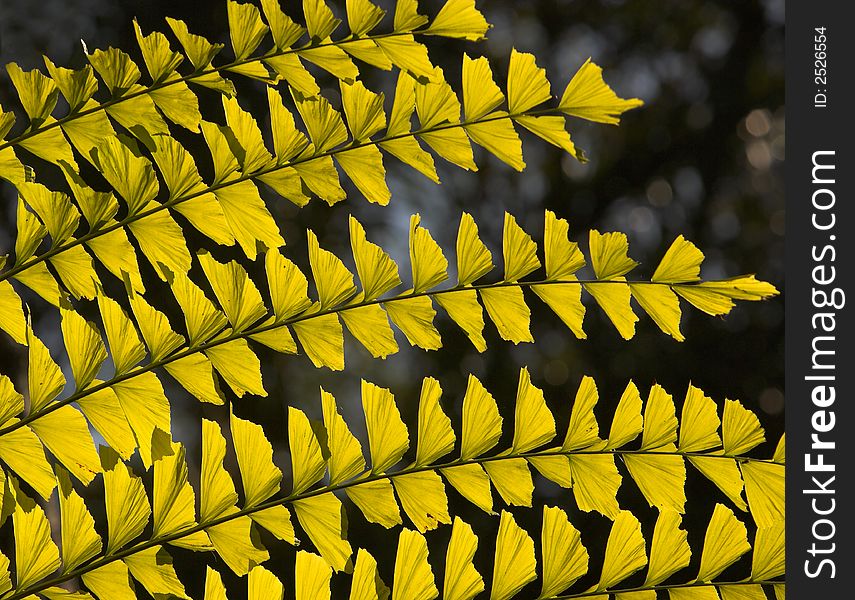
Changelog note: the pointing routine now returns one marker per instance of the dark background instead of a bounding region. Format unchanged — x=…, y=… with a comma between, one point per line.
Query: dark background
x=702, y=158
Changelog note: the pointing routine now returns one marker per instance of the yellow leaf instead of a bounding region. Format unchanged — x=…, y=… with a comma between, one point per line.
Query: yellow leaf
x=11, y=401
x=285, y=31
x=248, y=217
x=252, y=155
x=624, y=551
x=527, y=83
x=413, y=577
x=49, y=145
x=509, y=312
x=84, y=346
x=463, y=308
x=740, y=428
x=126, y=502
x=482, y=424
x=307, y=463
x=153, y=568
x=518, y=249
x=235, y=291
x=669, y=550
x=725, y=541
x=214, y=588
x=596, y=482
x=288, y=141
x=724, y=473
x=44, y=377
x=497, y=134
x=36, y=556
x=323, y=519
x=462, y=580
x=155, y=328
x=36, y=91
x=287, y=284
x=422, y=496
x=436, y=436
x=161, y=241
x=387, y=434
x=174, y=500
x=126, y=347
x=768, y=557
x=661, y=304
x=661, y=479
x=263, y=585
x=255, y=458
x=376, y=500
x=681, y=263
x=565, y=559
x=565, y=300
x=130, y=175
x=414, y=316
x=146, y=408
x=238, y=544
x=699, y=422
x=77, y=272
x=764, y=487
x=429, y=266
x=551, y=128
x=24, y=454
x=363, y=16
x=325, y=126
x=367, y=584
x=322, y=339
x=320, y=176
x=614, y=297
x=346, y=458
x=453, y=145
x=589, y=97
x=312, y=577
x=514, y=564
x=202, y=317
x=276, y=520
x=195, y=373
x=41, y=281
x=460, y=19
x=329, y=57
x=320, y=20
x=364, y=166
x=406, y=54
x=364, y=110
x=246, y=29
x=217, y=489
x=370, y=325
x=534, y=424
x=627, y=422
x=408, y=151
x=110, y=581
x=480, y=93
x=473, y=484
x=178, y=103
x=333, y=280
x=555, y=468
x=660, y=420
x=103, y=410
x=378, y=273
x=66, y=434
x=512, y=479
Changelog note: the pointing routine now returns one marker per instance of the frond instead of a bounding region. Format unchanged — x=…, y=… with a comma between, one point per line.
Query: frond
x=128, y=141
x=384, y=485
x=219, y=335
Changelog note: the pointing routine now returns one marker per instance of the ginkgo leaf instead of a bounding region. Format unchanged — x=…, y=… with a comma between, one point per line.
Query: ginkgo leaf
x=699, y=422
x=387, y=434
x=413, y=577
x=36, y=556
x=128, y=509
x=589, y=97
x=740, y=428
x=307, y=463
x=514, y=563
x=669, y=550
x=367, y=584
x=322, y=518
x=624, y=551
x=459, y=19
x=565, y=559
x=429, y=266
x=462, y=580
x=435, y=434
x=725, y=541
x=534, y=424
x=482, y=424
x=346, y=459
x=627, y=420
x=255, y=458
